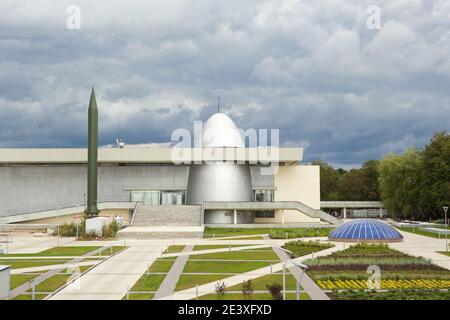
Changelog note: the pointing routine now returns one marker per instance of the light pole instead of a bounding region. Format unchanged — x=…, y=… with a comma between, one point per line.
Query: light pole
x=297, y=264
x=445, y=216
x=446, y=227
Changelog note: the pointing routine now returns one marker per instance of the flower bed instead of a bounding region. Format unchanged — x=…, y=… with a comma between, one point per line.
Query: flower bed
x=386, y=284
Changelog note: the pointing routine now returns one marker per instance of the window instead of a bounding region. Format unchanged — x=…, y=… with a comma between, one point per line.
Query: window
x=263, y=195
x=265, y=214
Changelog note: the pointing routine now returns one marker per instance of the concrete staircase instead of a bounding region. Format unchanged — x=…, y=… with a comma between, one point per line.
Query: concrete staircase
x=167, y=215
x=163, y=222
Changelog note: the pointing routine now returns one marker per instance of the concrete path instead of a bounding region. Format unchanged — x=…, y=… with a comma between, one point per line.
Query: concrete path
x=111, y=278
x=427, y=247
x=306, y=282
x=27, y=243
x=190, y=293
x=27, y=286
x=169, y=283
x=54, y=266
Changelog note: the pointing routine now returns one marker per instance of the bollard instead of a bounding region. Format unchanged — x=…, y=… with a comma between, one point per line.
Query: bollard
x=312, y=254
x=271, y=268
x=229, y=246
x=148, y=268
x=298, y=290
x=196, y=292
x=100, y=253
x=286, y=235
x=128, y=292
x=111, y=249
x=33, y=290
x=214, y=235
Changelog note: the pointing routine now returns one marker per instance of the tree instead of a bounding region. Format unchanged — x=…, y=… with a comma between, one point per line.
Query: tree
x=399, y=177
x=435, y=175
x=329, y=179
x=371, y=189
x=351, y=186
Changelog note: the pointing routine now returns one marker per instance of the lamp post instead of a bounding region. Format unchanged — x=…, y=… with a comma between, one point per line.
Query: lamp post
x=302, y=267
x=446, y=227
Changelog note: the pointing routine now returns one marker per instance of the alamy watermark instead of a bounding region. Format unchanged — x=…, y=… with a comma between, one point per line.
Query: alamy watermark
x=257, y=151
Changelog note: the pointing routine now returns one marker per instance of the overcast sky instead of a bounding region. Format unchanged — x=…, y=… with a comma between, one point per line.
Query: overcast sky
x=312, y=69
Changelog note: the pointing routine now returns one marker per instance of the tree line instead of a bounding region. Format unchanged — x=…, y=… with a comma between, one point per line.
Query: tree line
x=414, y=184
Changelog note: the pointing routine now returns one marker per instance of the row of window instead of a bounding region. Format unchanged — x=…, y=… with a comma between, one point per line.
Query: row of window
x=157, y=197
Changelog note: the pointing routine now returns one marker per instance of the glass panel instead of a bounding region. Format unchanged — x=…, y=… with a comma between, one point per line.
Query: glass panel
x=263, y=195
x=136, y=196
x=151, y=197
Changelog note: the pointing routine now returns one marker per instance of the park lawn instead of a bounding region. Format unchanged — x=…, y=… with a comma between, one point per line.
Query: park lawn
x=52, y=283
x=161, y=266
x=242, y=238
x=254, y=296
x=174, y=249
x=237, y=255
x=30, y=297
x=139, y=296
x=187, y=281
x=67, y=251
x=18, y=264
x=19, y=279
x=227, y=232
x=445, y=253
x=148, y=282
x=223, y=266
x=261, y=282
x=217, y=246
x=416, y=230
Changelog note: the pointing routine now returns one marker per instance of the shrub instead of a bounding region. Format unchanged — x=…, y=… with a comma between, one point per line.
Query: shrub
x=275, y=290
x=66, y=230
x=247, y=288
x=301, y=248
x=220, y=289
x=110, y=230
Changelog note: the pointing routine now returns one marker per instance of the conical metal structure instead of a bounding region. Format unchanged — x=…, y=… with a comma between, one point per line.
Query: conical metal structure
x=92, y=209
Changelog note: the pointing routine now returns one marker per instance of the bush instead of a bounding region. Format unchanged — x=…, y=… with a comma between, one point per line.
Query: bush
x=275, y=290
x=247, y=288
x=301, y=248
x=110, y=230
x=66, y=230
x=296, y=233
x=220, y=289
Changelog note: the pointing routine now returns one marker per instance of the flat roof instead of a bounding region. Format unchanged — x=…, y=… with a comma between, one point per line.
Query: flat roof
x=264, y=155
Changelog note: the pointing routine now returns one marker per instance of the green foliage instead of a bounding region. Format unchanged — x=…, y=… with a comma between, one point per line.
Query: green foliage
x=403, y=294
x=220, y=289
x=275, y=291
x=354, y=185
x=110, y=230
x=301, y=248
x=247, y=288
x=435, y=175
x=400, y=183
x=299, y=233
x=66, y=230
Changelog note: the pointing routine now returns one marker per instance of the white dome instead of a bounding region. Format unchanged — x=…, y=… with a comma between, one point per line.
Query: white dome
x=220, y=131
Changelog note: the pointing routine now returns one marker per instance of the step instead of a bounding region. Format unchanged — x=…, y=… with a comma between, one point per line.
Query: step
x=163, y=232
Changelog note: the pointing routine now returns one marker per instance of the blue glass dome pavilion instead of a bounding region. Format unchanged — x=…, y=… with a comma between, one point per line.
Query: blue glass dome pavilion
x=365, y=230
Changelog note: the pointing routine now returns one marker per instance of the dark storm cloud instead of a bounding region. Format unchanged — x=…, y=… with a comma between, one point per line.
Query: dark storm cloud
x=309, y=68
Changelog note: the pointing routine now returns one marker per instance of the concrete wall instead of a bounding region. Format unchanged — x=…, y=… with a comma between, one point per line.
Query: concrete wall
x=36, y=188
x=296, y=183
x=31, y=188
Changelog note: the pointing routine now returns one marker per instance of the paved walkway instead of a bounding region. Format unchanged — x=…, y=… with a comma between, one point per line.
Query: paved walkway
x=308, y=284
x=417, y=245
x=190, y=293
x=28, y=285
x=111, y=278
x=167, y=287
x=54, y=266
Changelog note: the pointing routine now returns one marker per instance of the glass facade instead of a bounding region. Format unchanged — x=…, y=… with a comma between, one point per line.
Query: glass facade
x=263, y=195
x=158, y=197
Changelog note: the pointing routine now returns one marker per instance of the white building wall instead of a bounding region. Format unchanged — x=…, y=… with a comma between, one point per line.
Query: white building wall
x=296, y=183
